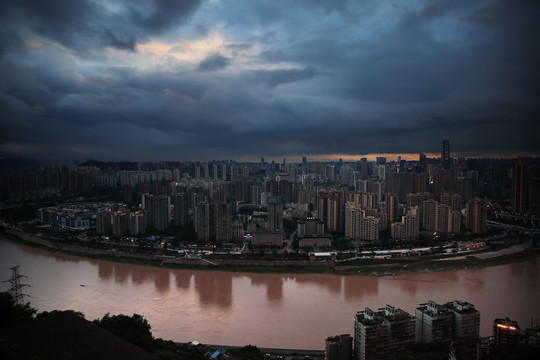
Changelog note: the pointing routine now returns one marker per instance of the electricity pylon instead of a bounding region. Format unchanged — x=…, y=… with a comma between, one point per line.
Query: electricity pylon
x=16, y=286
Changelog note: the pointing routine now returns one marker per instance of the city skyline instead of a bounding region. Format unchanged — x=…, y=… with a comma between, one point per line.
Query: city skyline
x=202, y=80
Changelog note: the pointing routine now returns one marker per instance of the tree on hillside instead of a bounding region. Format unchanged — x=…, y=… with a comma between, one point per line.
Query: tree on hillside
x=10, y=312
x=134, y=329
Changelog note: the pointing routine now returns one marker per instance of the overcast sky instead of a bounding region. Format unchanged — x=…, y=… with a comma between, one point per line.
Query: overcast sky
x=200, y=80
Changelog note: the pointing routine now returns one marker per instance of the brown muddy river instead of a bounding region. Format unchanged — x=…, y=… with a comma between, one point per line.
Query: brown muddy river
x=267, y=310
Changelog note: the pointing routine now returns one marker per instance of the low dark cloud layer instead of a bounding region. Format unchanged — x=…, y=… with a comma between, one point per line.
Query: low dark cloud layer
x=153, y=80
x=214, y=62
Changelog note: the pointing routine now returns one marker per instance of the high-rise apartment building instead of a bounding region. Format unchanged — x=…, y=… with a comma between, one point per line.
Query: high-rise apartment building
x=353, y=214
x=104, y=222
x=275, y=213
x=506, y=332
x=417, y=200
x=429, y=214
x=466, y=320
x=359, y=225
x=422, y=162
x=476, y=219
x=202, y=221
x=161, y=212
x=255, y=195
x=137, y=223
x=433, y=323
x=445, y=154
x=330, y=208
x=454, y=222
x=213, y=221
x=368, y=200
x=392, y=208
x=420, y=182
x=406, y=229
x=181, y=209
x=440, y=218
x=454, y=200
x=215, y=172
x=525, y=187
x=400, y=183
x=520, y=188
x=120, y=223
x=378, y=334
x=369, y=229
x=222, y=220
x=338, y=347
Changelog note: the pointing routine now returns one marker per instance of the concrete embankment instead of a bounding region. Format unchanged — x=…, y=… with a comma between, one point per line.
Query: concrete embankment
x=383, y=268
x=58, y=245
x=161, y=260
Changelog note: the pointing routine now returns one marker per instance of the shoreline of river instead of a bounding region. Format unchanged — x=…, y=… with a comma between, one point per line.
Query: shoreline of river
x=386, y=267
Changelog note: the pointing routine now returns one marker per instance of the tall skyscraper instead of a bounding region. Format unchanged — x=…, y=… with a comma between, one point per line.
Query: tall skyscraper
x=137, y=223
x=525, y=187
x=392, y=202
x=213, y=221
x=335, y=208
x=222, y=220
x=181, y=209
x=161, y=212
x=215, y=172
x=202, y=221
x=275, y=213
x=445, y=154
x=422, y=162
x=520, y=193
x=476, y=220
x=120, y=223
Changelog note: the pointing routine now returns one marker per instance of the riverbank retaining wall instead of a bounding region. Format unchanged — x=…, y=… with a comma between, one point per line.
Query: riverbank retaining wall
x=57, y=244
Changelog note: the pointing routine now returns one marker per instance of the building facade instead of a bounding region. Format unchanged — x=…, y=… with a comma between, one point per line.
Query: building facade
x=377, y=334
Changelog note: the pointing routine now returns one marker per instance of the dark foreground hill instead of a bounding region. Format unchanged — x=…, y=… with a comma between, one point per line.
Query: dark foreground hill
x=64, y=335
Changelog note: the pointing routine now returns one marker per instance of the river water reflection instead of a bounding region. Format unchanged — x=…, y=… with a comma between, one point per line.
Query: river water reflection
x=271, y=310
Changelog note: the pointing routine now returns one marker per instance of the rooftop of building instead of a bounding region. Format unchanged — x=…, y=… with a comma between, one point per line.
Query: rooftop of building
x=386, y=314
x=433, y=309
x=461, y=307
x=337, y=338
x=506, y=323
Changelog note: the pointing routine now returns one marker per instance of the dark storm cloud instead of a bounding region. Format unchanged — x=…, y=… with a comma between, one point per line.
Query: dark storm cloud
x=277, y=77
x=308, y=78
x=213, y=62
x=162, y=13
x=128, y=44
x=84, y=25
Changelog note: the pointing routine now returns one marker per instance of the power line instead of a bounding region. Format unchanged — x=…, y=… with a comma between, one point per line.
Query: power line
x=16, y=285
